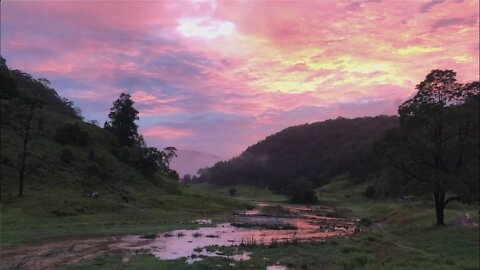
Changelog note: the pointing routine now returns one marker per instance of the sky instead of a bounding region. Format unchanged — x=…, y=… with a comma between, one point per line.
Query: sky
x=218, y=76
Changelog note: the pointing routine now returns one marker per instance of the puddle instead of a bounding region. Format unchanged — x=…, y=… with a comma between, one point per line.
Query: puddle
x=260, y=230
x=192, y=245
x=202, y=221
x=277, y=267
x=251, y=212
x=199, y=255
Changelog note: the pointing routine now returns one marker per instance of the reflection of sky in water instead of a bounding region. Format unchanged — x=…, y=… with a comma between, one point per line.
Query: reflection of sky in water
x=277, y=267
x=172, y=246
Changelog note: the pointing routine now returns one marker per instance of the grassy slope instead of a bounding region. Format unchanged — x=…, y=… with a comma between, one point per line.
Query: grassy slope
x=57, y=203
x=403, y=236
x=244, y=193
x=409, y=226
x=27, y=219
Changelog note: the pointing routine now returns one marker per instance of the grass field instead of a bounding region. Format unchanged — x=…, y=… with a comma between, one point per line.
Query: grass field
x=402, y=236
x=65, y=212
x=243, y=193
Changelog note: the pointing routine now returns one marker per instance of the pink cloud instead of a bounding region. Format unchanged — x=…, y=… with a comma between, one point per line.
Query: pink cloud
x=167, y=133
x=255, y=67
x=53, y=67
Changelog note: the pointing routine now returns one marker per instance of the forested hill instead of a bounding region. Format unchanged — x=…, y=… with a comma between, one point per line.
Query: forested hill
x=310, y=152
x=47, y=147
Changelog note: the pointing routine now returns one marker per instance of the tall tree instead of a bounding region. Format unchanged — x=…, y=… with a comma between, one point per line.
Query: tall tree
x=437, y=143
x=21, y=120
x=122, y=119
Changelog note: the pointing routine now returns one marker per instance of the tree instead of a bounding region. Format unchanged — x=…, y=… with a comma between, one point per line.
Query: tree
x=437, y=143
x=150, y=161
x=169, y=153
x=8, y=86
x=186, y=179
x=21, y=122
x=301, y=192
x=122, y=119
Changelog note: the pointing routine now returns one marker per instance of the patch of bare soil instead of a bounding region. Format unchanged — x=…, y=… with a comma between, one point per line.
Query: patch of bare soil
x=48, y=255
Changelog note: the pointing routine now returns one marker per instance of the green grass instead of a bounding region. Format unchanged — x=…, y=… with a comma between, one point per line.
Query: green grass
x=372, y=250
x=402, y=236
x=56, y=199
x=64, y=212
x=245, y=193
x=145, y=262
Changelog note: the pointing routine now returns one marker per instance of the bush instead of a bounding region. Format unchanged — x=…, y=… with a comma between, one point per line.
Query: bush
x=96, y=169
x=232, y=192
x=369, y=192
x=71, y=134
x=91, y=155
x=302, y=192
x=66, y=155
x=365, y=222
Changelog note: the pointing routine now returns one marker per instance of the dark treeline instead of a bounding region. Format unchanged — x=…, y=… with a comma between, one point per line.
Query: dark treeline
x=433, y=149
x=307, y=153
x=16, y=84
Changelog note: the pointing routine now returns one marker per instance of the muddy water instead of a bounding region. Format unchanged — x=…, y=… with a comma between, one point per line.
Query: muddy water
x=192, y=245
x=277, y=267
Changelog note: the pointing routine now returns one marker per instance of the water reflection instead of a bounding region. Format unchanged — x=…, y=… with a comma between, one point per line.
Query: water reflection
x=193, y=244
x=277, y=267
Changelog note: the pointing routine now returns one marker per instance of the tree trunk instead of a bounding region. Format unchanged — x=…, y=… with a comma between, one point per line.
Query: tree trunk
x=439, y=206
x=22, y=165
x=25, y=149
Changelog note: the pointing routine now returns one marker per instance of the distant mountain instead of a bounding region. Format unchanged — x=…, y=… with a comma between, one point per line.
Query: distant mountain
x=311, y=152
x=188, y=162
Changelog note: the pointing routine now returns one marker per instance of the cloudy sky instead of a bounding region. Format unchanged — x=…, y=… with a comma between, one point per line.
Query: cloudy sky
x=217, y=76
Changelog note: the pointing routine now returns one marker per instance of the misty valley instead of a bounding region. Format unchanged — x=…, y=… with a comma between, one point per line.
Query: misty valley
x=243, y=135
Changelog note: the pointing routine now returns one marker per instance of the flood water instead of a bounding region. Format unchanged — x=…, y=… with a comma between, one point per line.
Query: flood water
x=190, y=245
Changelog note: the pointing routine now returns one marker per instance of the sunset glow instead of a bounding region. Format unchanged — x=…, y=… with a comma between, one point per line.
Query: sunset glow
x=217, y=76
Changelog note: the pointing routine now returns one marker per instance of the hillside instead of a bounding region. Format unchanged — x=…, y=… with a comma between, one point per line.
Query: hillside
x=83, y=156
x=311, y=152
x=68, y=160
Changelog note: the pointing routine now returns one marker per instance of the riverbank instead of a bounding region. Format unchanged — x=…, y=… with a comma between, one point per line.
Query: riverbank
x=396, y=235
x=404, y=239
x=56, y=214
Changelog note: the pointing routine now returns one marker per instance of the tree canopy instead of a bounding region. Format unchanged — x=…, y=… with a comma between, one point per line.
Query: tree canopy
x=437, y=143
x=311, y=152
x=122, y=119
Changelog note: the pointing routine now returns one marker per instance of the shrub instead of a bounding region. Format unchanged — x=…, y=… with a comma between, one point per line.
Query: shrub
x=66, y=155
x=91, y=155
x=366, y=222
x=302, y=192
x=232, y=192
x=369, y=192
x=71, y=134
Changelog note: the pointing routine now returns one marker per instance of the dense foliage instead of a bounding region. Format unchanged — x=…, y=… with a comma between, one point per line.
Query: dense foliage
x=134, y=149
x=437, y=143
x=311, y=152
x=71, y=134
x=122, y=119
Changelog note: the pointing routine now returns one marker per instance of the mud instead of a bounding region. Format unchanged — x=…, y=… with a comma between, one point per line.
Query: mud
x=191, y=245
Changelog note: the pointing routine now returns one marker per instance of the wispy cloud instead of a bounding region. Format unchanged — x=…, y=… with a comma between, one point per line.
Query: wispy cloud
x=218, y=76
